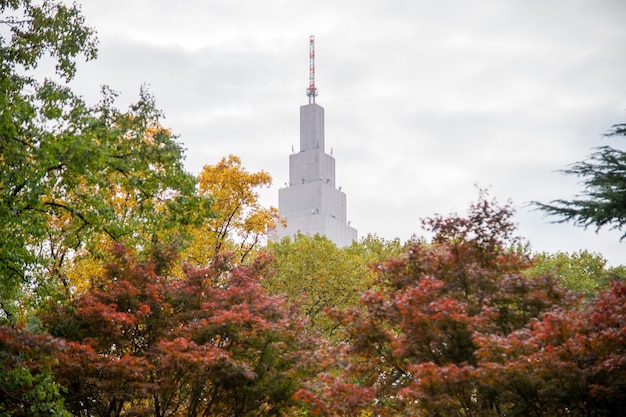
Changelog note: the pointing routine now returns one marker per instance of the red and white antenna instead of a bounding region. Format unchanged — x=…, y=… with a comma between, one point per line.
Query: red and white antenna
x=311, y=91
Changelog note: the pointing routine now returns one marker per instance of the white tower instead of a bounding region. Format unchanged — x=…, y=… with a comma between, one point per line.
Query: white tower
x=311, y=203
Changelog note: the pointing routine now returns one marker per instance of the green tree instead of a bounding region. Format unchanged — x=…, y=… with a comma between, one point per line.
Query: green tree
x=375, y=249
x=131, y=186
x=73, y=177
x=29, y=107
x=313, y=273
x=603, y=199
x=582, y=272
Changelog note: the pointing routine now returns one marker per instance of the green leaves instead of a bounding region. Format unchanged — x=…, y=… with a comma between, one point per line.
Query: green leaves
x=48, y=28
x=313, y=273
x=603, y=199
x=73, y=177
x=95, y=174
x=582, y=272
x=28, y=387
x=30, y=114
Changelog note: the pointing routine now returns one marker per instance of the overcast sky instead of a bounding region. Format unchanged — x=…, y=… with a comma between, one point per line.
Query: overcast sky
x=423, y=99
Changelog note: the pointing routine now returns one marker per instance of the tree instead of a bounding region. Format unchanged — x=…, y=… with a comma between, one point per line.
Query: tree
x=28, y=106
x=373, y=249
x=603, y=200
x=568, y=362
x=139, y=194
x=213, y=343
x=582, y=272
x=411, y=348
x=27, y=387
x=240, y=223
x=314, y=274
x=75, y=178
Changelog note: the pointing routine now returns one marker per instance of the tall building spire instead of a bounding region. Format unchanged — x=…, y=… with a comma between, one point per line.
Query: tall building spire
x=311, y=203
x=311, y=91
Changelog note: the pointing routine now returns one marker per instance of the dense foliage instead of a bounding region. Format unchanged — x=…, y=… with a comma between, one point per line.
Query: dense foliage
x=241, y=223
x=27, y=385
x=212, y=343
x=458, y=328
x=130, y=288
x=75, y=178
x=32, y=112
x=314, y=274
x=582, y=272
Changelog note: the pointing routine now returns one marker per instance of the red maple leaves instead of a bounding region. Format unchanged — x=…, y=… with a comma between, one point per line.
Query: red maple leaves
x=456, y=327
x=211, y=344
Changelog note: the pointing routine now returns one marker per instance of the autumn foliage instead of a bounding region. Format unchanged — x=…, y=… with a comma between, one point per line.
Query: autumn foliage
x=456, y=328
x=240, y=223
x=451, y=327
x=128, y=287
x=27, y=386
x=212, y=343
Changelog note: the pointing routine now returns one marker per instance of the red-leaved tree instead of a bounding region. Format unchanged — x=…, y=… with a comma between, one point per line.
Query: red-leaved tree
x=412, y=348
x=213, y=343
x=568, y=363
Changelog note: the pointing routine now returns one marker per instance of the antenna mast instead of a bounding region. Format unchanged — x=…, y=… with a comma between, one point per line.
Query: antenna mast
x=311, y=91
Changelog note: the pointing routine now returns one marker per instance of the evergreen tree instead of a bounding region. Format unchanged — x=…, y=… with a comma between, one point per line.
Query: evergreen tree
x=603, y=200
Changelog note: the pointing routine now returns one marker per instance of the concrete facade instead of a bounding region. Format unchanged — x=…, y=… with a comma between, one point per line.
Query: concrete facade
x=311, y=203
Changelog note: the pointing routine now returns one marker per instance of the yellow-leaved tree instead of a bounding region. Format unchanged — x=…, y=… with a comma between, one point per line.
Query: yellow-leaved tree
x=241, y=222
